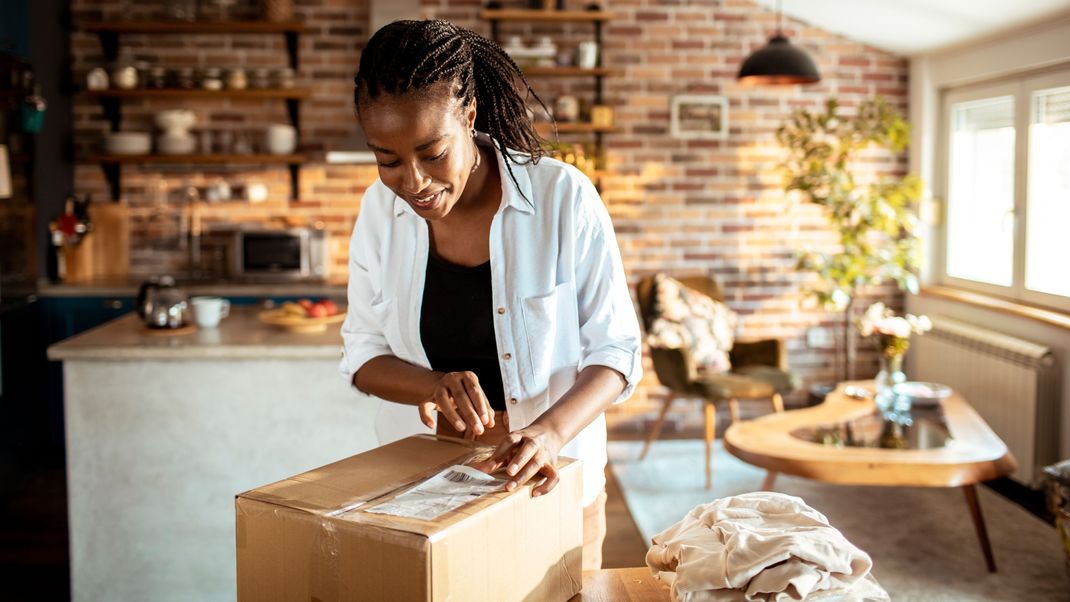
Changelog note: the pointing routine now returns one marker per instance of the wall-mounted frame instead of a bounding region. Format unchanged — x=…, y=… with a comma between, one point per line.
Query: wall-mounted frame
x=699, y=116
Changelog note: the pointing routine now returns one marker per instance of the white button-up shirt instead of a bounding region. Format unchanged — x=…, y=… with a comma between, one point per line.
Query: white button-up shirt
x=560, y=297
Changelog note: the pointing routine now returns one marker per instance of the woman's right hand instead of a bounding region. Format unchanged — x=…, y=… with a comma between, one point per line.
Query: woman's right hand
x=458, y=396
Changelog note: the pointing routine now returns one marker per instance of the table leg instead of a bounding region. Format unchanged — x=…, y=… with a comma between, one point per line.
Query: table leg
x=770, y=478
x=711, y=431
x=979, y=524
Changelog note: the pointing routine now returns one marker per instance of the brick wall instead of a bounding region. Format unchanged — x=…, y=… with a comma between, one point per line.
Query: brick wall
x=699, y=206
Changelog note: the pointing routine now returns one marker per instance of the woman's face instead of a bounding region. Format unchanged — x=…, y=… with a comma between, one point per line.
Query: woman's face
x=424, y=149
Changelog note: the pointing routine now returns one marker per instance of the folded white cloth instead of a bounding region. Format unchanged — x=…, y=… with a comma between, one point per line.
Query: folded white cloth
x=760, y=546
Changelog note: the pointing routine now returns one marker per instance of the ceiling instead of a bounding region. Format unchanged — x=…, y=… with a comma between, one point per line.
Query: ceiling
x=909, y=27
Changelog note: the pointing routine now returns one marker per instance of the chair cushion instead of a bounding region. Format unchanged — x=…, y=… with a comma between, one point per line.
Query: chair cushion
x=730, y=386
x=686, y=318
x=781, y=380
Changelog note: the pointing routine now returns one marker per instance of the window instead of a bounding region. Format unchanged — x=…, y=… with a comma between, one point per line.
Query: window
x=1007, y=186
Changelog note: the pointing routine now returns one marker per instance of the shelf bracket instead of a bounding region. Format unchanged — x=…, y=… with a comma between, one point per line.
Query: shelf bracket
x=291, y=48
x=113, y=173
x=292, y=106
x=109, y=43
x=112, y=111
x=295, y=181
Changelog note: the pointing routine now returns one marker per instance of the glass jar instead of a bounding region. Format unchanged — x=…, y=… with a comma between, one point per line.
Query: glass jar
x=236, y=79
x=891, y=374
x=186, y=78
x=212, y=78
x=157, y=78
x=285, y=77
x=124, y=76
x=261, y=78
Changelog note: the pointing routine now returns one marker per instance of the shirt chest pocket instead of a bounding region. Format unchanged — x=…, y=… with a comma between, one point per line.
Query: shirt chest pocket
x=550, y=322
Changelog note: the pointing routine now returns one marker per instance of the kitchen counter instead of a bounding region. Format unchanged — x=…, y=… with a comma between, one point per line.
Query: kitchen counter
x=241, y=335
x=163, y=431
x=129, y=287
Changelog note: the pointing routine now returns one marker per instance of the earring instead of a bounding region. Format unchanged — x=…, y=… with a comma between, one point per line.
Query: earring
x=473, y=132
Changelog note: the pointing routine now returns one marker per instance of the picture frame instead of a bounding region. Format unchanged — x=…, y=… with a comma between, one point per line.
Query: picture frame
x=699, y=117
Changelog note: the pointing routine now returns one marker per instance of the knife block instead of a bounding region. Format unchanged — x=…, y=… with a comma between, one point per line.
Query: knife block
x=104, y=252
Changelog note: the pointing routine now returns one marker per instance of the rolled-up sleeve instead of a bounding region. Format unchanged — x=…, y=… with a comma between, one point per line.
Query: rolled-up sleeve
x=609, y=327
x=362, y=333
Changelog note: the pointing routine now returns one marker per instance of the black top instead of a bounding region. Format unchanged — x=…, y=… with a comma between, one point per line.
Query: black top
x=457, y=324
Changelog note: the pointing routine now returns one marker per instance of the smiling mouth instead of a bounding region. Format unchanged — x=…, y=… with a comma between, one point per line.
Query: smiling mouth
x=427, y=202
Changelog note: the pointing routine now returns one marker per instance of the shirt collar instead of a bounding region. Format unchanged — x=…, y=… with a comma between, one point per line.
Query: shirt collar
x=514, y=194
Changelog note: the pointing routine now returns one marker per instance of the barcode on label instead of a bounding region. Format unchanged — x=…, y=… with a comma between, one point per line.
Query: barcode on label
x=457, y=477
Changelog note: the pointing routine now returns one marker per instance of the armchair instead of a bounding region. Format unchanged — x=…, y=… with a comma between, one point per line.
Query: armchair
x=759, y=371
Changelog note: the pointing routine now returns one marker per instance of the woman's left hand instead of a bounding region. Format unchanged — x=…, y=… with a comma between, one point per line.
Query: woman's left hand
x=525, y=453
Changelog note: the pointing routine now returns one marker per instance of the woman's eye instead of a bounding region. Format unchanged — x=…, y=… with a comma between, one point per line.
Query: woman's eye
x=439, y=156
x=391, y=164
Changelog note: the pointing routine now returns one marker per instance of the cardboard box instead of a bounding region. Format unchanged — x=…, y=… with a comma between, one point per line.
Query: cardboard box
x=314, y=536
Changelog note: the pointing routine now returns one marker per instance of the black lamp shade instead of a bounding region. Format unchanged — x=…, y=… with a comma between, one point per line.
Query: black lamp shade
x=778, y=63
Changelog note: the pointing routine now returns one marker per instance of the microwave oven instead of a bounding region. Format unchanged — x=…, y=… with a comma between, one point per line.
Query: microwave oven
x=269, y=255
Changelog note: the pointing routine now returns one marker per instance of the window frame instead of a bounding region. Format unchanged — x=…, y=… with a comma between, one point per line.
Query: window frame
x=1021, y=88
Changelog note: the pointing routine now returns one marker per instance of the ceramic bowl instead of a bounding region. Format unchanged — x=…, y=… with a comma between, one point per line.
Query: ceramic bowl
x=128, y=143
x=172, y=144
x=176, y=120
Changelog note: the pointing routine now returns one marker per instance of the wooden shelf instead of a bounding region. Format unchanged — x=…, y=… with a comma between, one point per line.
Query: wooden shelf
x=273, y=93
x=198, y=159
x=567, y=72
x=207, y=27
x=572, y=128
x=560, y=16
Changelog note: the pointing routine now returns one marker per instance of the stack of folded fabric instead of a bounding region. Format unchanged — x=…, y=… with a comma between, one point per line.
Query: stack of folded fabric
x=760, y=547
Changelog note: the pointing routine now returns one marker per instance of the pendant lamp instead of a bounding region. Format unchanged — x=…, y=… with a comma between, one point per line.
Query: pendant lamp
x=778, y=63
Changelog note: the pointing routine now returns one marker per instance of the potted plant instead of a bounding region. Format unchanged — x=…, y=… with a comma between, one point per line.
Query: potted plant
x=875, y=221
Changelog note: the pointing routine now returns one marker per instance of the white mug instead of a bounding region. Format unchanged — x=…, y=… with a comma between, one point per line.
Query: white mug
x=281, y=139
x=208, y=311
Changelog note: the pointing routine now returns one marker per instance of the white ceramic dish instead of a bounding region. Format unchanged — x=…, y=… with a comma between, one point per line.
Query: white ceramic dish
x=922, y=393
x=168, y=144
x=128, y=143
x=175, y=121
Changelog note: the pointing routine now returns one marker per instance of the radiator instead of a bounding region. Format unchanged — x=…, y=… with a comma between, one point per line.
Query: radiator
x=1011, y=383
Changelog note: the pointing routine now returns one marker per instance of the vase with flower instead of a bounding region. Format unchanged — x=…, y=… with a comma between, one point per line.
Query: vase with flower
x=892, y=334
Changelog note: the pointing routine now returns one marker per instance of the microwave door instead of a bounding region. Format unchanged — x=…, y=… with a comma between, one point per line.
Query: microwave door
x=271, y=254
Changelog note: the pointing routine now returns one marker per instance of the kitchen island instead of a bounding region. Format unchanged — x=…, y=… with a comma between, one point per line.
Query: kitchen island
x=163, y=431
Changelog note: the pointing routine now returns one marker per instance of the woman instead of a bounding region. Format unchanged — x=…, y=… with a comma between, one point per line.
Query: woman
x=485, y=282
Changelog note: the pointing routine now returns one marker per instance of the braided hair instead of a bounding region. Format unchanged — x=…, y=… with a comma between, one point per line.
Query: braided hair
x=409, y=57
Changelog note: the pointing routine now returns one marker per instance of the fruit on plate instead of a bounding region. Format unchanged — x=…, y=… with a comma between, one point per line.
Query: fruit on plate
x=307, y=308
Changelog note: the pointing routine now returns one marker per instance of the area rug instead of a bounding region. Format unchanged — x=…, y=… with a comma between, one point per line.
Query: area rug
x=922, y=540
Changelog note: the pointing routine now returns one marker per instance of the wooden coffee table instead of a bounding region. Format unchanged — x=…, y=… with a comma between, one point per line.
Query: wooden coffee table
x=806, y=443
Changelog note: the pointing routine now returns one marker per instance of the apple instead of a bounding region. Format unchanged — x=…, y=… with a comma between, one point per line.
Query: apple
x=318, y=310
x=332, y=309
x=305, y=303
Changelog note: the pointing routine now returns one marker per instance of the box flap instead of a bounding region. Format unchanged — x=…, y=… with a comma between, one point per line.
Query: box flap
x=348, y=483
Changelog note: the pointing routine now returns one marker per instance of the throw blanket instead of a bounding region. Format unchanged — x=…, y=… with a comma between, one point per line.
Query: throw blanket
x=760, y=546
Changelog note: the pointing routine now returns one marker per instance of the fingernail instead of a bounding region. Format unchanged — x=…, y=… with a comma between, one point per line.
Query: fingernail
x=511, y=485
x=459, y=425
x=536, y=494
x=512, y=468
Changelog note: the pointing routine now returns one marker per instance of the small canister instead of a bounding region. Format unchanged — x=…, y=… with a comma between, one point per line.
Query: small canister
x=261, y=78
x=587, y=54
x=567, y=108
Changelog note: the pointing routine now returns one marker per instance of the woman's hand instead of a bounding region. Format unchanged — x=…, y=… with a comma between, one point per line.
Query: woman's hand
x=458, y=396
x=525, y=453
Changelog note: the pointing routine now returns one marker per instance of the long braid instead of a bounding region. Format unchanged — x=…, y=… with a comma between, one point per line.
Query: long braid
x=408, y=57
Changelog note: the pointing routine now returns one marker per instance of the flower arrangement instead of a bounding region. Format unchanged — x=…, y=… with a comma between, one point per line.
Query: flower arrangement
x=893, y=331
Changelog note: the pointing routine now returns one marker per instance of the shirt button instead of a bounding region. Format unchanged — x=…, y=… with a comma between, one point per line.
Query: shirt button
x=512, y=400
x=508, y=356
x=501, y=310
